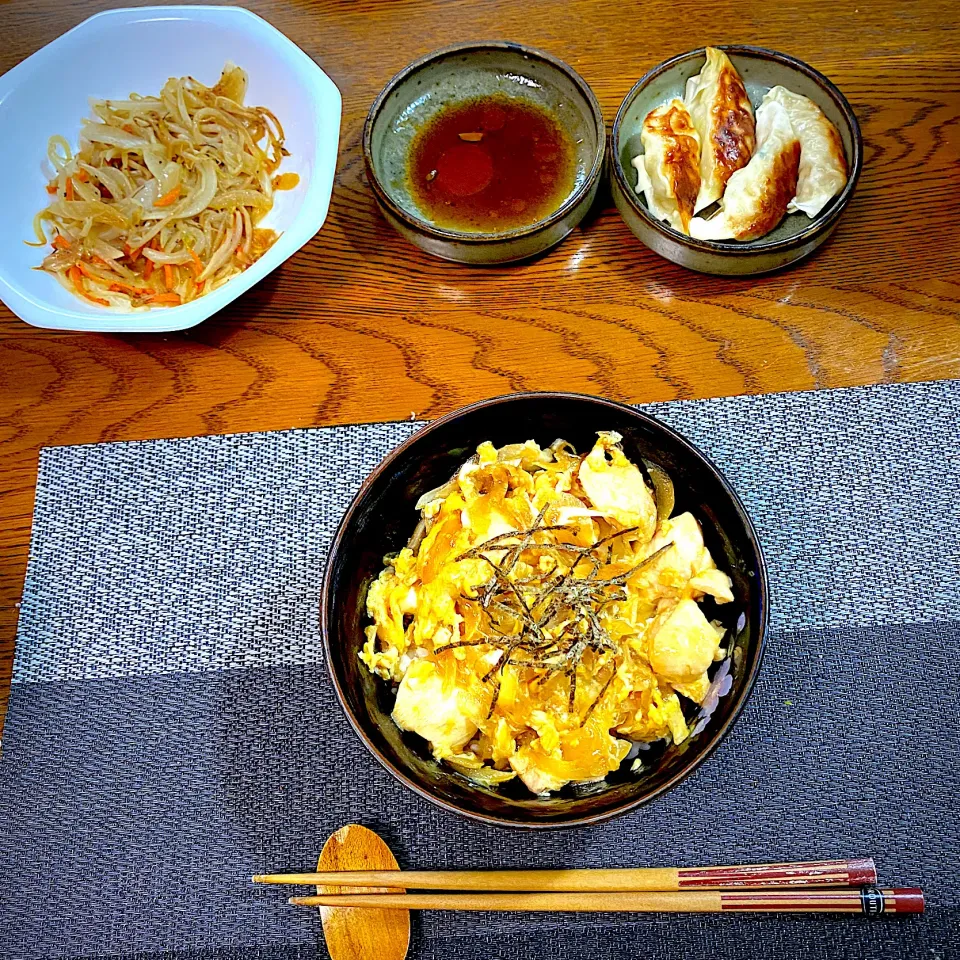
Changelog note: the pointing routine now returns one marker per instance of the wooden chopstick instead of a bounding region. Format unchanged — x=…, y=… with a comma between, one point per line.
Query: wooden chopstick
x=819, y=873
x=870, y=901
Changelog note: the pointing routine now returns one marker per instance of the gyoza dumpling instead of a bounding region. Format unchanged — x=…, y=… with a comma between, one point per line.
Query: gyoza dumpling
x=668, y=170
x=823, y=164
x=757, y=196
x=721, y=112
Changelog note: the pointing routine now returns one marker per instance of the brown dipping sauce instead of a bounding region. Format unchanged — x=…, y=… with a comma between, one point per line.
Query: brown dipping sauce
x=491, y=164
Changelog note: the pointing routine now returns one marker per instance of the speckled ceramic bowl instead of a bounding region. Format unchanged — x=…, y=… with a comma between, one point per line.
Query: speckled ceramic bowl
x=797, y=236
x=461, y=72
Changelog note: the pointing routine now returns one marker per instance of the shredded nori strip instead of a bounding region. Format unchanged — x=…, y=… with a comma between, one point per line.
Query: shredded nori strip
x=558, y=598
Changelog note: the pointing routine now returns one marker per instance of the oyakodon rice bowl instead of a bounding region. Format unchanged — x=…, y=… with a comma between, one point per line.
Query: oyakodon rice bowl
x=379, y=524
x=544, y=620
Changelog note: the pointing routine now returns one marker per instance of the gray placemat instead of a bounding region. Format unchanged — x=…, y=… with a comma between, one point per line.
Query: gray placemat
x=172, y=729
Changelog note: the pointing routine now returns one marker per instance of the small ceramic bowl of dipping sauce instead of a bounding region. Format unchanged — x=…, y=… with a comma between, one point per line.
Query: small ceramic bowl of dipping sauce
x=485, y=152
x=797, y=235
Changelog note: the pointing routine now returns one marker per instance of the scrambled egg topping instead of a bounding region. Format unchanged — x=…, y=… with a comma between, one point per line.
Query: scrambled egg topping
x=544, y=617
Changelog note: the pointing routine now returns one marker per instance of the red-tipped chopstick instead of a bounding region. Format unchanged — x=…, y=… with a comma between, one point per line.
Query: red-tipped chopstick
x=871, y=901
x=819, y=873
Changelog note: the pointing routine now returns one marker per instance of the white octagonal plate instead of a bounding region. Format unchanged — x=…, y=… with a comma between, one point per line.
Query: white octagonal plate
x=120, y=52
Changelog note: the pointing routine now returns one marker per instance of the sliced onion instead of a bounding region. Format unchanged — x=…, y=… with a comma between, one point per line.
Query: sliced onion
x=61, y=260
x=161, y=256
x=190, y=142
x=146, y=196
x=225, y=250
x=486, y=776
x=104, y=133
x=155, y=157
x=59, y=160
x=662, y=490
x=419, y=533
x=171, y=177
x=116, y=181
x=437, y=493
x=511, y=451
x=130, y=210
x=201, y=198
x=100, y=248
x=88, y=209
x=85, y=191
x=232, y=83
x=184, y=113
x=193, y=237
x=239, y=198
x=104, y=108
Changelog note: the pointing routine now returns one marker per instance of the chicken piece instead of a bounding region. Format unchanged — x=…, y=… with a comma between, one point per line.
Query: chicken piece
x=524, y=761
x=422, y=707
x=682, y=643
x=689, y=562
x=716, y=583
x=616, y=487
x=696, y=690
x=687, y=538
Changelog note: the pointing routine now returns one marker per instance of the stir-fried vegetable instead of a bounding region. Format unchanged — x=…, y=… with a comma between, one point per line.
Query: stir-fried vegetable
x=181, y=179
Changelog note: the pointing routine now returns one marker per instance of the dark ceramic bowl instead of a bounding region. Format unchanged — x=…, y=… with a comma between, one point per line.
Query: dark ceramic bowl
x=457, y=73
x=382, y=518
x=797, y=236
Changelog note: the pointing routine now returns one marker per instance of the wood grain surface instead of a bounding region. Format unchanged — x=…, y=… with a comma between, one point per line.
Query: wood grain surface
x=360, y=326
x=356, y=934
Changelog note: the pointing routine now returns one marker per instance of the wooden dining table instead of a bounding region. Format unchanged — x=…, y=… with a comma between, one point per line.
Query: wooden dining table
x=360, y=326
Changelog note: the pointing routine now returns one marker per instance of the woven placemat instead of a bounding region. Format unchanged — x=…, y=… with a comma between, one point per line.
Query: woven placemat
x=172, y=729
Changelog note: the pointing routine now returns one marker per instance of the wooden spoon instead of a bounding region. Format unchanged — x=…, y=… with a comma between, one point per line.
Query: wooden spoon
x=361, y=933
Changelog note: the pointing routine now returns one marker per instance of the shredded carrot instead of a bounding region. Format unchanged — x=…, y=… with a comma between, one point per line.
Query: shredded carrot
x=132, y=254
x=51, y=188
x=76, y=279
x=86, y=271
x=69, y=189
x=130, y=128
x=173, y=298
x=147, y=268
x=197, y=264
x=168, y=198
x=60, y=242
x=168, y=274
x=121, y=287
x=82, y=176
